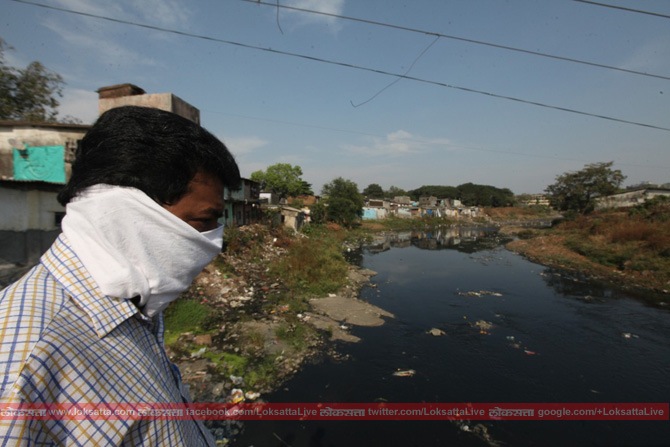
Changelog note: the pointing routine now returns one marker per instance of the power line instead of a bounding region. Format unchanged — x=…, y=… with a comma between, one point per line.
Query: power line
x=397, y=79
x=462, y=39
x=422, y=141
x=348, y=65
x=639, y=11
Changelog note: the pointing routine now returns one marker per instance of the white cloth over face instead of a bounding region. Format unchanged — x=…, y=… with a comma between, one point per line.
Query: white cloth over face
x=134, y=247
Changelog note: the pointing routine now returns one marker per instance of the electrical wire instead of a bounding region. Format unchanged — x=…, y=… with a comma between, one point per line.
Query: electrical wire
x=462, y=39
x=639, y=11
x=349, y=65
x=423, y=141
x=398, y=79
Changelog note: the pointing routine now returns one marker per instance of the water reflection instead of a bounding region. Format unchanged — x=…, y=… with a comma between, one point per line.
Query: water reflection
x=464, y=239
x=578, y=286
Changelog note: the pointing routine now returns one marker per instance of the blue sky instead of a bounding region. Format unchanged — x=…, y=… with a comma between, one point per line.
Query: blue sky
x=341, y=117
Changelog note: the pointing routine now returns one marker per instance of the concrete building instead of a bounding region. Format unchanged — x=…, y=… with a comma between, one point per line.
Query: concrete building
x=38, y=151
x=632, y=198
x=132, y=95
x=242, y=206
x=30, y=223
x=35, y=162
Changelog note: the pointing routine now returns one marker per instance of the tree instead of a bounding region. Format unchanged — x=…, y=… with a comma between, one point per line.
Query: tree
x=317, y=213
x=306, y=189
x=441, y=192
x=29, y=94
x=282, y=179
x=394, y=191
x=484, y=195
x=345, y=203
x=469, y=194
x=374, y=191
x=577, y=191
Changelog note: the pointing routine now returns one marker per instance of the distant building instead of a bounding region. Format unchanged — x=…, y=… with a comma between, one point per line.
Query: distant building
x=402, y=200
x=536, y=200
x=242, y=206
x=292, y=217
x=632, y=198
x=427, y=201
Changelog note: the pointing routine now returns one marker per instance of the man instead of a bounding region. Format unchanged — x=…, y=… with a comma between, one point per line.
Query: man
x=85, y=325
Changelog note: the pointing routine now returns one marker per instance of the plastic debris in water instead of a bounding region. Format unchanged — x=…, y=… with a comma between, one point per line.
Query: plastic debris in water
x=629, y=335
x=484, y=325
x=480, y=293
x=404, y=373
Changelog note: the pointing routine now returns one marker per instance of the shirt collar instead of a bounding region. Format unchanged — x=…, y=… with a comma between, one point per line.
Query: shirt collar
x=106, y=313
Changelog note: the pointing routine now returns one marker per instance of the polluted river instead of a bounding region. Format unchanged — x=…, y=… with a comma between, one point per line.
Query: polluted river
x=474, y=322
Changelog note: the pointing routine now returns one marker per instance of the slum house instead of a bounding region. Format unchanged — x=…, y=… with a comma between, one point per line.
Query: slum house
x=427, y=201
x=35, y=162
x=292, y=217
x=376, y=209
x=402, y=200
x=285, y=210
x=243, y=205
x=305, y=202
x=287, y=216
x=269, y=198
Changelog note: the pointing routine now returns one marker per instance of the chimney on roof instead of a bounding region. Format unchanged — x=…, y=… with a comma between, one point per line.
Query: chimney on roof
x=132, y=95
x=119, y=90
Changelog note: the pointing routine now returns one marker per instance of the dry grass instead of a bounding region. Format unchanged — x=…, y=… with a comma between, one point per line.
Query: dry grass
x=630, y=247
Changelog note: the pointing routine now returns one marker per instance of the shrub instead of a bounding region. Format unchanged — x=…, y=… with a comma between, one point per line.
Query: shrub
x=631, y=230
x=312, y=266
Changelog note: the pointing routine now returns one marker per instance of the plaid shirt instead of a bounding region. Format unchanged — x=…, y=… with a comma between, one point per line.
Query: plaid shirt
x=64, y=342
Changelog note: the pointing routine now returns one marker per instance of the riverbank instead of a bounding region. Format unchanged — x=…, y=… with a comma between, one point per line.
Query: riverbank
x=628, y=249
x=276, y=300
x=271, y=302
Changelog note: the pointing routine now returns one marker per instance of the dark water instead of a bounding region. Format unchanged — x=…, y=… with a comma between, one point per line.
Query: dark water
x=592, y=344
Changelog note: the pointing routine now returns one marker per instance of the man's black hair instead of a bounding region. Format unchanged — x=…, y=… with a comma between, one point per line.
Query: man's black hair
x=149, y=149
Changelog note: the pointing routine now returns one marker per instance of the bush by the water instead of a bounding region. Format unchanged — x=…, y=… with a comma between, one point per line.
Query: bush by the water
x=635, y=241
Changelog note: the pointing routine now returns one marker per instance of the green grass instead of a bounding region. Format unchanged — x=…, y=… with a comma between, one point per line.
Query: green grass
x=610, y=255
x=228, y=363
x=185, y=315
x=635, y=241
x=263, y=373
x=312, y=266
x=296, y=334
